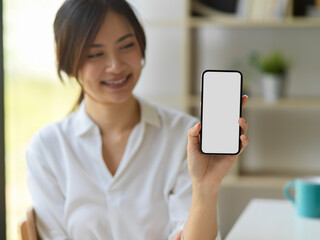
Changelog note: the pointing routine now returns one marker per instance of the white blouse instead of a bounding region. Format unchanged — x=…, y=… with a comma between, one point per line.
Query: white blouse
x=75, y=196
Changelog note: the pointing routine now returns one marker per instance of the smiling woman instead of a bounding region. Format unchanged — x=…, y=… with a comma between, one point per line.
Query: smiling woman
x=129, y=166
x=88, y=50
x=113, y=66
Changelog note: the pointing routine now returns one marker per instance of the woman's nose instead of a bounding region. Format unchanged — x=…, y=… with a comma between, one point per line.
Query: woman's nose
x=114, y=64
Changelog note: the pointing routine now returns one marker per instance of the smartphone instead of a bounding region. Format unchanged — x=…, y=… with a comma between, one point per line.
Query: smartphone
x=221, y=99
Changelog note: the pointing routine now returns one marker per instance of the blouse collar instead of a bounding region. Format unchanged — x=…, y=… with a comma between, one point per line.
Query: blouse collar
x=83, y=123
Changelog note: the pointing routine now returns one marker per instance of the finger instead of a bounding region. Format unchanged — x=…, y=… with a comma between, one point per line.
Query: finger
x=244, y=100
x=178, y=236
x=243, y=125
x=193, y=137
x=244, y=142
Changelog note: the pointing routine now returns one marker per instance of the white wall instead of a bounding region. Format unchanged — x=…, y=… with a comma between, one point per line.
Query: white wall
x=164, y=9
x=162, y=72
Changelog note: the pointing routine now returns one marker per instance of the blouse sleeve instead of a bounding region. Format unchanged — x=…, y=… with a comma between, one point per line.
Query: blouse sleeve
x=47, y=197
x=180, y=201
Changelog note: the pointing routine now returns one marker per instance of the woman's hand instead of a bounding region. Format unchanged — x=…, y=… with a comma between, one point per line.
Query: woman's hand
x=178, y=236
x=209, y=170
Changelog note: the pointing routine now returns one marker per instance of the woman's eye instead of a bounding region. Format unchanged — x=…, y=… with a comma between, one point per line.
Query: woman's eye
x=127, y=46
x=95, y=55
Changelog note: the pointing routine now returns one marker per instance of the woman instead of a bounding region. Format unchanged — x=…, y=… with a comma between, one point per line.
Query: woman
x=117, y=168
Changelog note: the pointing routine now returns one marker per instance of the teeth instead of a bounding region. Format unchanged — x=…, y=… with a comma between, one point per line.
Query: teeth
x=115, y=82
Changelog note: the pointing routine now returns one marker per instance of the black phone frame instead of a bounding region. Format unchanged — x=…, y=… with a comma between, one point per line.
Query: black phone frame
x=201, y=107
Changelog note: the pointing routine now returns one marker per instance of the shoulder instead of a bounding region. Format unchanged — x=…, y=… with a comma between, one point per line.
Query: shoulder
x=45, y=150
x=48, y=136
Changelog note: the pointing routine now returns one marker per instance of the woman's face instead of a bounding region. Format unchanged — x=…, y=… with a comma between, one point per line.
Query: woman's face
x=113, y=65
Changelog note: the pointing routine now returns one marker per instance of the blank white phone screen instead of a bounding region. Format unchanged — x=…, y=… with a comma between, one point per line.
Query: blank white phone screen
x=221, y=109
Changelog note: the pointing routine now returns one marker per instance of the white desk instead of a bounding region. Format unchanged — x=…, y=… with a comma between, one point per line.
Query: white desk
x=265, y=219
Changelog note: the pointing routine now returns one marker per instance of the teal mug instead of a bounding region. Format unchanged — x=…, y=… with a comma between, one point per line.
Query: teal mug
x=306, y=196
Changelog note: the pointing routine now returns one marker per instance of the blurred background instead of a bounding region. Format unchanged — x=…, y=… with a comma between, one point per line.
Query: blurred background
x=33, y=94
x=264, y=39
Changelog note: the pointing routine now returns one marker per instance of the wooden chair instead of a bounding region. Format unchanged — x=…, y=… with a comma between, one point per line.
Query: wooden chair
x=27, y=226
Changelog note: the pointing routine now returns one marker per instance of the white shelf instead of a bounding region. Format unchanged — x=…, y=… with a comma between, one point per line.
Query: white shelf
x=242, y=181
x=282, y=104
x=302, y=22
x=234, y=22
x=285, y=104
x=212, y=17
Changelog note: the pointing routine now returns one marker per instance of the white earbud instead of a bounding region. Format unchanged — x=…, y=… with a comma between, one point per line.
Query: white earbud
x=142, y=62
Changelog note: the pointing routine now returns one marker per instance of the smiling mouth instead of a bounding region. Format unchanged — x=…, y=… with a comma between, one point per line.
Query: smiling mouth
x=114, y=83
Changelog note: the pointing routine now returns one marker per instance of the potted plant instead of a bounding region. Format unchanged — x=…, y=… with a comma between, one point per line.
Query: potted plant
x=273, y=67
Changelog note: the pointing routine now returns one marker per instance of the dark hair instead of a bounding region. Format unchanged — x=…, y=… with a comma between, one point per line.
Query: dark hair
x=76, y=25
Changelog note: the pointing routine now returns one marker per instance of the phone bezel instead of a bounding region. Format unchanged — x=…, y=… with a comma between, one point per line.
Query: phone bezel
x=202, y=103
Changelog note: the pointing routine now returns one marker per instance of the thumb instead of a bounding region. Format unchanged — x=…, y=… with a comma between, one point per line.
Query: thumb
x=193, y=137
x=178, y=236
